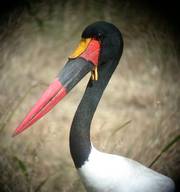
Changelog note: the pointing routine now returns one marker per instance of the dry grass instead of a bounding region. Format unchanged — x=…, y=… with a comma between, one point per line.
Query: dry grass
x=139, y=113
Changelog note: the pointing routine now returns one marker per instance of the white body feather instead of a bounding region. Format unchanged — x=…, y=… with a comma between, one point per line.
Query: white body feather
x=111, y=173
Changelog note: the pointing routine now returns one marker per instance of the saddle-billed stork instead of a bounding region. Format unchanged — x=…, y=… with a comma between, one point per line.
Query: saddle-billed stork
x=99, y=51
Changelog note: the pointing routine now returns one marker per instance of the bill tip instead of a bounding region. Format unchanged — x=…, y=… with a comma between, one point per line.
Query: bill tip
x=15, y=134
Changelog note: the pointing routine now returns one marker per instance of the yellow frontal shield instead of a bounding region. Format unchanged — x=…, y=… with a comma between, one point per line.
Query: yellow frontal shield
x=80, y=48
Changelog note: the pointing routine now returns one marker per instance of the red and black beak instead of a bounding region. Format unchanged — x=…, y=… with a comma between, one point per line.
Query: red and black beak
x=74, y=70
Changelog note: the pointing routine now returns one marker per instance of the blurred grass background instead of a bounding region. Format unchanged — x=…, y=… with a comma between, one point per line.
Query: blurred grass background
x=139, y=114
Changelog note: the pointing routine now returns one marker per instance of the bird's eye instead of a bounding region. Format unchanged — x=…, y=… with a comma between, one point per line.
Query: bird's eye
x=100, y=35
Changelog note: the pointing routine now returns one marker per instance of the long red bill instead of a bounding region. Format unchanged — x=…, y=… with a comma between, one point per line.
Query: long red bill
x=55, y=92
x=74, y=70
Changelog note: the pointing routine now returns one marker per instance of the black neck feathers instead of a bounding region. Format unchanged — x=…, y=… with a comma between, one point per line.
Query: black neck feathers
x=80, y=143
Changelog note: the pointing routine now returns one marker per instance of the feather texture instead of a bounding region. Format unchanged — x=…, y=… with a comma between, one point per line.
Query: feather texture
x=104, y=172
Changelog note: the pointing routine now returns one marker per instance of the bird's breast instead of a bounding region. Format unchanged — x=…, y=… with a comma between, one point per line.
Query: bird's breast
x=111, y=173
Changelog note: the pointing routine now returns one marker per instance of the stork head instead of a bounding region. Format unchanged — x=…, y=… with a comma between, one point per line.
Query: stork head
x=109, y=37
x=101, y=42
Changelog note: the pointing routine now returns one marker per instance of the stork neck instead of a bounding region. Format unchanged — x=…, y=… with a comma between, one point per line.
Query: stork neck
x=80, y=144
